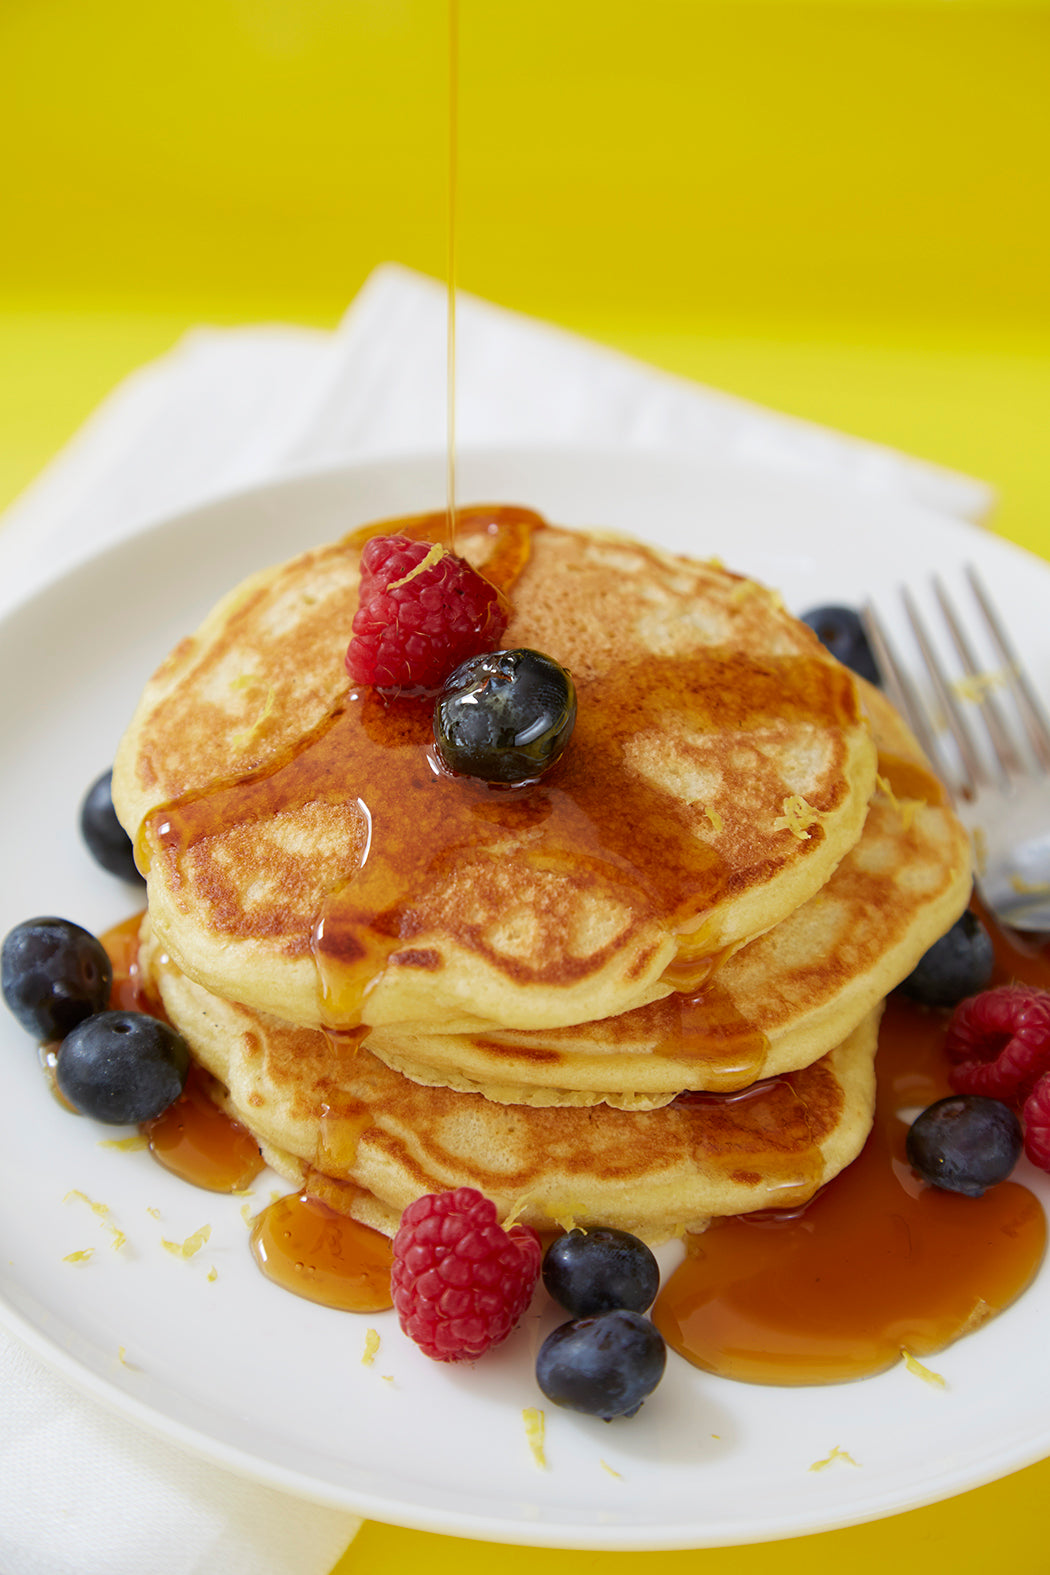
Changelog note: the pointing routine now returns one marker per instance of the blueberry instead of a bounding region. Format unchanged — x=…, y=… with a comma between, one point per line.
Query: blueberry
x=965, y=1143
x=122, y=1067
x=958, y=965
x=54, y=975
x=505, y=716
x=840, y=629
x=595, y=1271
x=108, y=842
x=604, y=1366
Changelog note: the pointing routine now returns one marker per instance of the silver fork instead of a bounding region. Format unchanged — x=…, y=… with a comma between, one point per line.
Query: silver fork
x=999, y=779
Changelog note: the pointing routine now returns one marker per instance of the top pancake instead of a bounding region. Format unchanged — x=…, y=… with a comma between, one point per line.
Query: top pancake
x=306, y=857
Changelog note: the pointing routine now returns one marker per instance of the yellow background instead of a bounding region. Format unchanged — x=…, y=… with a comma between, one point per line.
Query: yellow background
x=840, y=209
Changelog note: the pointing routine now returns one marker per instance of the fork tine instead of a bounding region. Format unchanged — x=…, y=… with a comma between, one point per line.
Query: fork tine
x=974, y=766
x=998, y=732
x=1031, y=711
x=895, y=677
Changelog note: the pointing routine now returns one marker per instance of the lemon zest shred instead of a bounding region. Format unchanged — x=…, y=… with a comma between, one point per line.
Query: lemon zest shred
x=743, y=592
x=907, y=808
x=836, y=1454
x=436, y=553
x=980, y=850
x=912, y=1363
x=607, y=1467
x=979, y=1314
x=715, y=818
x=128, y=1145
x=534, y=1433
x=562, y=1212
x=79, y=1257
x=155, y=1213
x=101, y=1212
x=798, y=817
x=371, y=1347
x=974, y=686
x=517, y=1210
x=1029, y=888
x=192, y=1244
x=237, y=739
x=213, y=1274
x=101, y=1209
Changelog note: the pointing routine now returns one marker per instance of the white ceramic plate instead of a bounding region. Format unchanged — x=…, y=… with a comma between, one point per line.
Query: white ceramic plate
x=274, y=1387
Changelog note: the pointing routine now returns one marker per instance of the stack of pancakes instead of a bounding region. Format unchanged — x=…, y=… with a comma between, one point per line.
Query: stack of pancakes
x=642, y=991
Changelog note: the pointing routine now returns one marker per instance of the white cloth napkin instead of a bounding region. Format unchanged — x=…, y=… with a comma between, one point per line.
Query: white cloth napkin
x=83, y=1492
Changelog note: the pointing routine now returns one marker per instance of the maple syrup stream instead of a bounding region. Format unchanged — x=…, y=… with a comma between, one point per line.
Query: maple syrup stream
x=450, y=281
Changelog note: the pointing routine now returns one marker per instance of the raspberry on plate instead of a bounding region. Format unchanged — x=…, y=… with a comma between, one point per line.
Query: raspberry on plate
x=460, y=1282
x=999, y=1041
x=421, y=612
x=1036, y=1115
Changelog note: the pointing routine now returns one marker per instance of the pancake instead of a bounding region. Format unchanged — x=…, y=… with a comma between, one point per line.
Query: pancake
x=305, y=857
x=334, y=1118
x=777, y=1004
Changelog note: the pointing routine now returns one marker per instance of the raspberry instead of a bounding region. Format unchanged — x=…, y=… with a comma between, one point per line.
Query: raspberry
x=999, y=1042
x=410, y=635
x=460, y=1282
x=1037, y=1123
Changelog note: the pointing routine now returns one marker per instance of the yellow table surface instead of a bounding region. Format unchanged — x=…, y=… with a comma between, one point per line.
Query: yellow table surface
x=838, y=208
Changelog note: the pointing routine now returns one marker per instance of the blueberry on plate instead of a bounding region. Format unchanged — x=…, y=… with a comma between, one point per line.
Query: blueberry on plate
x=958, y=965
x=122, y=1067
x=107, y=841
x=54, y=974
x=505, y=716
x=603, y=1366
x=599, y=1269
x=965, y=1143
x=840, y=629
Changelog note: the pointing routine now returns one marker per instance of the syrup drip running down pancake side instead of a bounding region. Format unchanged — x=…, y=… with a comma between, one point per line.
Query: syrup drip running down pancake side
x=327, y=870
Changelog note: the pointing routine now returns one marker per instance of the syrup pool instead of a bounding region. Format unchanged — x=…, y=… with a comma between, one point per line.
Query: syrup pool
x=307, y=1248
